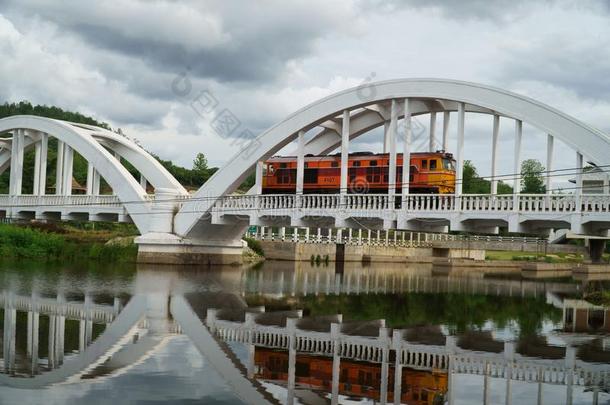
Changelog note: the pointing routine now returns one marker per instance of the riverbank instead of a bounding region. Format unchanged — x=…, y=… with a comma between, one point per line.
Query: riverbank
x=65, y=242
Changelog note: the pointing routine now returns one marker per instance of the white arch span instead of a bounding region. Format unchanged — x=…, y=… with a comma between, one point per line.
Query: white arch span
x=89, y=142
x=365, y=108
x=149, y=167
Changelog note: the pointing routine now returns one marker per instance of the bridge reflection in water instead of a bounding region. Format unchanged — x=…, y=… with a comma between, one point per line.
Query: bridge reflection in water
x=71, y=336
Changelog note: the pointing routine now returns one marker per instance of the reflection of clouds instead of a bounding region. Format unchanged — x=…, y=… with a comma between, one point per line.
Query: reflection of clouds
x=175, y=374
x=468, y=390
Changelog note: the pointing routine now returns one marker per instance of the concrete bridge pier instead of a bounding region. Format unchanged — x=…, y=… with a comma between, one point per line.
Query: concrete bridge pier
x=596, y=249
x=168, y=248
x=207, y=243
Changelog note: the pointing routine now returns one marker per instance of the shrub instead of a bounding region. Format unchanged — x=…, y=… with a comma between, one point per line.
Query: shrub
x=35, y=243
x=29, y=243
x=255, y=245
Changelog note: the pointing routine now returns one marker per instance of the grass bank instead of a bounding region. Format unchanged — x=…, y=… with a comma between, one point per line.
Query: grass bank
x=525, y=256
x=54, y=242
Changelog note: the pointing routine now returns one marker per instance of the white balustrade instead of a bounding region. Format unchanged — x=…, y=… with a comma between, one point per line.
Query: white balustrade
x=36, y=201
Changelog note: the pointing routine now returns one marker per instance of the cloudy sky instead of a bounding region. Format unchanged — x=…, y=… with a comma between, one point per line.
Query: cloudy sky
x=139, y=64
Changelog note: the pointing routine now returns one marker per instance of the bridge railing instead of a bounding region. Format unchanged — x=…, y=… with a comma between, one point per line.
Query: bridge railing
x=486, y=202
x=377, y=238
x=37, y=201
x=539, y=203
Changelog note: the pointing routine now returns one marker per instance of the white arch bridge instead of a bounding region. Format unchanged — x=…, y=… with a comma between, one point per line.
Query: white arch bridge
x=207, y=225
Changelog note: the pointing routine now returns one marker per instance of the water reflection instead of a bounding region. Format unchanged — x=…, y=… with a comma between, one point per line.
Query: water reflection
x=290, y=332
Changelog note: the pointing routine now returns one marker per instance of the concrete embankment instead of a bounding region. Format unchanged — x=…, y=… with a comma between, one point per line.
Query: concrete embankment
x=515, y=246
x=454, y=257
x=277, y=250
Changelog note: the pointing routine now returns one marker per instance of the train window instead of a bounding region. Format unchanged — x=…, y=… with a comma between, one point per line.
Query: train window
x=356, y=163
x=448, y=164
x=352, y=175
x=424, y=396
x=283, y=165
x=424, y=163
x=344, y=375
x=432, y=164
x=306, y=165
x=334, y=164
x=360, y=377
x=286, y=176
x=410, y=178
x=302, y=369
x=373, y=174
x=310, y=176
x=373, y=163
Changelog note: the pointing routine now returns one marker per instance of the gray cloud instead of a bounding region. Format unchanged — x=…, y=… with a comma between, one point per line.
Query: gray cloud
x=496, y=10
x=116, y=60
x=582, y=69
x=226, y=41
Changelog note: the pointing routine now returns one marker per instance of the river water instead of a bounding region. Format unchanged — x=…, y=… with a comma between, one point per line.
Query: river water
x=91, y=333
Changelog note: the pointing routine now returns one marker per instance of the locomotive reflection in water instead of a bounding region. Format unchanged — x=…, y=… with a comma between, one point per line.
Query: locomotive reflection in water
x=356, y=378
x=429, y=173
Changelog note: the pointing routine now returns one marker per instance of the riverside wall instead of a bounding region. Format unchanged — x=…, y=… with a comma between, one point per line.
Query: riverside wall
x=291, y=251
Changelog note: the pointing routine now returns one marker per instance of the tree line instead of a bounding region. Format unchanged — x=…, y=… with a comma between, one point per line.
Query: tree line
x=531, y=179
x=191, y=178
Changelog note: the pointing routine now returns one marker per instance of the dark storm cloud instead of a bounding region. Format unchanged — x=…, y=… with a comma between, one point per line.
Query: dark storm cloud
x=582, y=69
x=234, y=42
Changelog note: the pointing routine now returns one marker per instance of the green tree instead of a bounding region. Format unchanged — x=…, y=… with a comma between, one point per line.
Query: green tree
x=248, y=183
x=472, y=183
x=200, y=163
x=532, y=181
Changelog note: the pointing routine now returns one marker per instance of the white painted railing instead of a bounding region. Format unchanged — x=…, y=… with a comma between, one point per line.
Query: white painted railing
x=38, y=201
x=376, y=238
x=555, y=203
x=99, y=313
x=429, y=202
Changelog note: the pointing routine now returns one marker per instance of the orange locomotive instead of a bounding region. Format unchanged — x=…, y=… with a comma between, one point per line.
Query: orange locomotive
x=430, y=173
x=356, y=378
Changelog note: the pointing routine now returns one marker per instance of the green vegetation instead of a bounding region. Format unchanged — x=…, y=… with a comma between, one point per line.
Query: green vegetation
x=474, y=184
x=255, y=245
x=531, y=177
x=26, y=108
x=459, y=312
x=193, y=178
x=36, y=243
